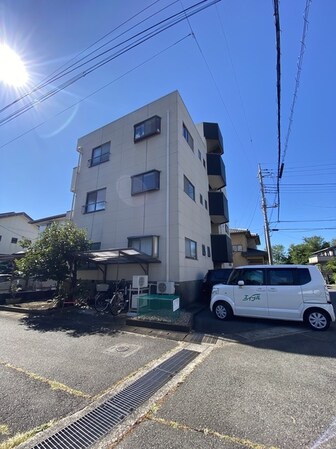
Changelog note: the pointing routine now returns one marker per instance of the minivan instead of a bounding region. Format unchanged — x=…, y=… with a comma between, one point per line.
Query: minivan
x=286, y=292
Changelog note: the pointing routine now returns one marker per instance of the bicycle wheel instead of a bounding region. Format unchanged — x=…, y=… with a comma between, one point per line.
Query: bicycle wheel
x=116, y=305
x=101, y=302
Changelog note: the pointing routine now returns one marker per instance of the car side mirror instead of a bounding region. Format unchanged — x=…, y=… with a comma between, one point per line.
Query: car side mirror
x=241, y=283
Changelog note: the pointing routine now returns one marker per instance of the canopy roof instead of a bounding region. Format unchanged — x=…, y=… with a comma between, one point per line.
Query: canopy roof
x=117, y=256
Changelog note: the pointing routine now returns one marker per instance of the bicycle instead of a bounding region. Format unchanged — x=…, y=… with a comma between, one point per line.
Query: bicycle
x=116, y=301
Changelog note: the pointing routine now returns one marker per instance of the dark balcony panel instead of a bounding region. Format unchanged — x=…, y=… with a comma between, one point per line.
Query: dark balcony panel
x=218, y=208
x=216, y=171
x=213, y=138
x=221, y=248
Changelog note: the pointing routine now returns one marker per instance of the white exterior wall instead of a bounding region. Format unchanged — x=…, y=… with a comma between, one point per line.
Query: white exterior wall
x=148, y=214
x=16, y=226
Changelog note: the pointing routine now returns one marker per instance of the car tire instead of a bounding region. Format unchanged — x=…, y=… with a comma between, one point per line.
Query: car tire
x=222, y=310
x=317, y=319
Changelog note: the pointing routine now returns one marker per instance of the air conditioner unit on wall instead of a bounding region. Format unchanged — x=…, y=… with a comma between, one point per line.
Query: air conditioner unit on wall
x=165, y=288
x=140, y=281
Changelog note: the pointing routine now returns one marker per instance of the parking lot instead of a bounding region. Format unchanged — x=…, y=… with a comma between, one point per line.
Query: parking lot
x=262, y=385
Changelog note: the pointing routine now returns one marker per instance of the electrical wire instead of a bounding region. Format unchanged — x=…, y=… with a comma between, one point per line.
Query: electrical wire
x=161, y=26
x=93, y=93
x=298, y=75
x=278, y=88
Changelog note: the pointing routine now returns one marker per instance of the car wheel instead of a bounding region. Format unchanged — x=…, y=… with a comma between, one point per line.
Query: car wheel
x=222, y=310
x=317, y=319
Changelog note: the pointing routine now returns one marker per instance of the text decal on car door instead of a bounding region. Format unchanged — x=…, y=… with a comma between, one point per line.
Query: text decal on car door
x=255, y=297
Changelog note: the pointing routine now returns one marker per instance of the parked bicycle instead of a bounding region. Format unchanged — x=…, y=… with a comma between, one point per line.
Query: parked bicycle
x=115, y=301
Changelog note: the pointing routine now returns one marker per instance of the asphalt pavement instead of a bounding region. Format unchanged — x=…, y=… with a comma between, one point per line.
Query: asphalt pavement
x=257, y=384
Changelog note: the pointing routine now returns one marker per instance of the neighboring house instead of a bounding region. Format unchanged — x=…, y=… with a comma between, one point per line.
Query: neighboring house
x=43, y=223
x=244, y=248
x=15, y=226
x=321, y=258
x=155, y=182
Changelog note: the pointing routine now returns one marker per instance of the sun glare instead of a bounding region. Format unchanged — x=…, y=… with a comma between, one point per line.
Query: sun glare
x=12, y=69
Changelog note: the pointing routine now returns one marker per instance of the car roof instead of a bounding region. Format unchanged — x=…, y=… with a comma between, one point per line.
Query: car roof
x=274, y=266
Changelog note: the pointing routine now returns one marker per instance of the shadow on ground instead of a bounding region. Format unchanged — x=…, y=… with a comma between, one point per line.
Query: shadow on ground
x=75, y=322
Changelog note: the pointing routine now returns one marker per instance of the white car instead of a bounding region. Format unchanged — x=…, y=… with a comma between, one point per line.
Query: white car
x=286, y=292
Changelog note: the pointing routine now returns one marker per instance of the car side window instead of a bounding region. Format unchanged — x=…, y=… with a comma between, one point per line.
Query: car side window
x=253, y=276
x=281, y=276
x=304, y=276
x=236, y=275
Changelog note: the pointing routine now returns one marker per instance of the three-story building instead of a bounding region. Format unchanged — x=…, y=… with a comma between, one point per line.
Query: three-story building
x=155, y=182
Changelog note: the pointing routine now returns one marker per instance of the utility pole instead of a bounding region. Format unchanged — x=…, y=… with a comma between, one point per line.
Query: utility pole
x=266, y=225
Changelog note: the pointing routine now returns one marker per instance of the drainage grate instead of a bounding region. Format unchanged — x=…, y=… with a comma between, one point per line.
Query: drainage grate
x=97, y=423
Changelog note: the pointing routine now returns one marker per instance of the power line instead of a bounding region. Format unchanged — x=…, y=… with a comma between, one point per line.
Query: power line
x=297, y=79
x=93, y=93
x=154, y=30
x=278, y=88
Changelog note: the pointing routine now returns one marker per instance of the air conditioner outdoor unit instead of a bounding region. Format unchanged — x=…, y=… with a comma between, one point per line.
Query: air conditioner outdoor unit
x=165, y=288
x=140, y=281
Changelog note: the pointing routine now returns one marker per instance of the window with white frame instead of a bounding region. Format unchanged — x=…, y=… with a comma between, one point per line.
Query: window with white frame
x=95, y=201
x=190, y=249
x=237, y=248
x=100, y=154
x=146, y=244
x=189, y=188
x=145, y=182
x=147, y=128
x=188, y=137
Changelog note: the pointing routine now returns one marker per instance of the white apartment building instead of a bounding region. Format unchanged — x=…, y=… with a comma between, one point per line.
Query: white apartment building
x=155, y=182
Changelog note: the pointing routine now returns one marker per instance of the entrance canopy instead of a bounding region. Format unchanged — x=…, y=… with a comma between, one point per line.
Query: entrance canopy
x=117, y=256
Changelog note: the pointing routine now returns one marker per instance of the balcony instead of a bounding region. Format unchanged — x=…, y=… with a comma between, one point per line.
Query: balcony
x=221, y=248
x=213, y=138
x=216, y=171
x=218, y=208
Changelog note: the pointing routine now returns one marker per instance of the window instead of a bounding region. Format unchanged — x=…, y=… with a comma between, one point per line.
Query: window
x=203, y=250
x=95, y=201
x=100, y=154
x=206, y=204
x=204, y=165
x=199, y=155
x=0, y=237
x=187, y=136
x=201, y=199
x=145, y=182
x=190, y=249
x=209, y=253
x=147, y=128
x=14, y=240
x=237, y=248
x=148, y=244
x=250, y=276
x=94, y=246
x=281, y=277
x=189, y=188
x=304, y=276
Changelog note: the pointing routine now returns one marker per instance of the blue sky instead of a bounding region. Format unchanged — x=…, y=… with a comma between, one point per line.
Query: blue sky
x=223, y=62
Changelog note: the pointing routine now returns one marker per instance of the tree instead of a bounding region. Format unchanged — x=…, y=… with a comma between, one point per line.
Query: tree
x=279, y=254
x=52, y=256
x=299, y=254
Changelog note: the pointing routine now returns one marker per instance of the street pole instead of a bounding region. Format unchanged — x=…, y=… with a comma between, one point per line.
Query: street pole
x=266, y=225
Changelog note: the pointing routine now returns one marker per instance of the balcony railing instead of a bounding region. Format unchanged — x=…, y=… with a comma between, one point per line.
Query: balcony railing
x=221, y=248
x=218, y=208
x=214, y=139
x=216, y=171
